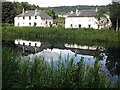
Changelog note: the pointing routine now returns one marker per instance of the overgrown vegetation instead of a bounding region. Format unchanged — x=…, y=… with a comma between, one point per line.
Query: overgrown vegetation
x=114, y=11
x=61, y=34
x=19, y=73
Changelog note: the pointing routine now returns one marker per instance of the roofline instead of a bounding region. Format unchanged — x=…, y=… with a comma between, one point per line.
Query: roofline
x=21, y=15
x=38, y=15
x=80, y=16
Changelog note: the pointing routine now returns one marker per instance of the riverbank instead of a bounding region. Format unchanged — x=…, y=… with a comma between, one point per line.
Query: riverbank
x=60, y=34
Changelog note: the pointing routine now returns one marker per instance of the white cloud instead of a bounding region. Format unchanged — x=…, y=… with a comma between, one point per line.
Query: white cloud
x=46, y=3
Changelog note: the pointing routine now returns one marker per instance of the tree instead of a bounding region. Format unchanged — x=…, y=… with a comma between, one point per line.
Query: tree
x=103, y=19
x=7, y=12
x=50, y=12
x=11, y=9
x=114, y=9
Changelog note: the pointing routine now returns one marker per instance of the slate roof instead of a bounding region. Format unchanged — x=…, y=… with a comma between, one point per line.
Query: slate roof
x=82, y=13
x=35, y=13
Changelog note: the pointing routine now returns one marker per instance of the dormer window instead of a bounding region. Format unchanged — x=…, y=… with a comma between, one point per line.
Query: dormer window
x=35, y=17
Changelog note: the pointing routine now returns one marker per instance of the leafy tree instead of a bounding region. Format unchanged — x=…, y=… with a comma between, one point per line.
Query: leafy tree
x=103, y=19
x=114, y=9
x=7, y=12
x=50, y=12
x=11, y=9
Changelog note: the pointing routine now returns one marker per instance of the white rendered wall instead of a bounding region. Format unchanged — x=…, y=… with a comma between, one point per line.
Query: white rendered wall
x=83, y=21
x=27, y=21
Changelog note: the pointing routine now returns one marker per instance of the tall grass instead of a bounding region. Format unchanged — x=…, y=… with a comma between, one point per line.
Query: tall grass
x=20, y=73
x=75, y=35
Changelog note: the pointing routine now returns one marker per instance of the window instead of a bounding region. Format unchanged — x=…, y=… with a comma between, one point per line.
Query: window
x=23, y=17
x=23, y=43
x=71, y=25
x=79, y=25
x=46, y=22
x=35, y=17
x=35, y=24
x=29, y=24
x=29, y=44
x=18, y=24
x=89, y=26
x=50, y=24
x=29, y=17
x=98, y=26
x=35, y=44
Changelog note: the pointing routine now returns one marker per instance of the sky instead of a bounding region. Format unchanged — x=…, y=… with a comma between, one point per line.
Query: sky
x=52, y=3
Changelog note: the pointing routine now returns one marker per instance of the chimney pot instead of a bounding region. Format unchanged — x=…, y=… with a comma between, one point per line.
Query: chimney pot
x=23, y=11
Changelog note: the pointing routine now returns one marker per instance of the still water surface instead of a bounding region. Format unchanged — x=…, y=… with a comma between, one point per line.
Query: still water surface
x=109, y=58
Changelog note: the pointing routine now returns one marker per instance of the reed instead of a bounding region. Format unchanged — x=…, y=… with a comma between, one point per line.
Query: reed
x=22, y=73
x=61, y=34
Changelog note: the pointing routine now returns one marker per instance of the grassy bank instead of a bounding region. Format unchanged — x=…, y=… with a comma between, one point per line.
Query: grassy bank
x=75, y=35
x=39, y=74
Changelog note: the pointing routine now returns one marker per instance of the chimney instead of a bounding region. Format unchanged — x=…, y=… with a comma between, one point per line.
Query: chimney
x=77, y=12
x=71, y=12
x=36, y=11
x=23, y=11
x=96, y=10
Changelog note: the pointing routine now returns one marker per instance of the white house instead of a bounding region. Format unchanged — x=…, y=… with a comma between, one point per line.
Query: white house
x=33, y=18
x=85, y=19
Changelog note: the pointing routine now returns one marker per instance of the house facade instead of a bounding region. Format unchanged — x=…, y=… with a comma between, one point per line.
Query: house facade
x=33, y=18
x=84, y=19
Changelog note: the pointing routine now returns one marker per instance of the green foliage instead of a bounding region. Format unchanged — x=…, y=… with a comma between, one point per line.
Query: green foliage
x=50, y=12
x=100, y=13
x=59, y=34
x=11, y=9
x=114, y=10
x=60, y=22
x=23, y=73
x=9, y=68
x=7, y=12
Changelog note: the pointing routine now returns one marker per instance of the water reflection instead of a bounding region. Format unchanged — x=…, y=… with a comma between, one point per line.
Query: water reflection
x=113, y=61
x=56, y=54
x=34, y=46
x=109, y=60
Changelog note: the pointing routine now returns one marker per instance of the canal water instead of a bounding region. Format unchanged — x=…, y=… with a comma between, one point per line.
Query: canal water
x=109, y=58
